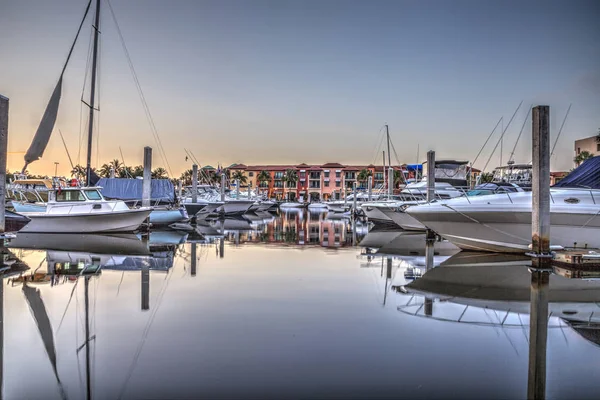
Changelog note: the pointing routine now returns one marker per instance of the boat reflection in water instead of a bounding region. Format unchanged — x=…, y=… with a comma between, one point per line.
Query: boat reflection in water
x=499, y=290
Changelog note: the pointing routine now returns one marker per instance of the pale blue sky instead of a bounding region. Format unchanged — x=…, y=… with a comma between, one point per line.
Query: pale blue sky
x=307, y=81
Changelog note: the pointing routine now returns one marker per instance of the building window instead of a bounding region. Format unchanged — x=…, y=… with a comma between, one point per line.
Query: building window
x=291, y=184
x=578, y=150
x=338, y=184
x=350, y=175
x=279, y=175
x=315, y=175
x=315, y=184
x=326, y=174
x=598, y=147
x=278, y=184
x=326, y=183
x=250, y=174
x=338, y=174
x=302, y=175
x=378, y=176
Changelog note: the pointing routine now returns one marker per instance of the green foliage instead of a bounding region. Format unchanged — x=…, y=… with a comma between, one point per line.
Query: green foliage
x=363, y=175
x=239, y=176
x=581, y=157
x=486, y=177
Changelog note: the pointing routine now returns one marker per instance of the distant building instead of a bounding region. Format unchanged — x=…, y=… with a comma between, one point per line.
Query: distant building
x=317, y=182
x=590, y=144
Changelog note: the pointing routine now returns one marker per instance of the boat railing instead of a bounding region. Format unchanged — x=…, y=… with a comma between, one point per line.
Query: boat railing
x=91, y=210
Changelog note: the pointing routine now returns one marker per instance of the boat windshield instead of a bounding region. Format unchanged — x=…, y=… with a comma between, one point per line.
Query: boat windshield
x=93, y=194
x=69, y=195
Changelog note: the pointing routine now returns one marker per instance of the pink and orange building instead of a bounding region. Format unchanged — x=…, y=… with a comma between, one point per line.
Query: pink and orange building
x=325, y=181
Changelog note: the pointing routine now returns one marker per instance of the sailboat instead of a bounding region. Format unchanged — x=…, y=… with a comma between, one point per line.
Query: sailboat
x=75, y=209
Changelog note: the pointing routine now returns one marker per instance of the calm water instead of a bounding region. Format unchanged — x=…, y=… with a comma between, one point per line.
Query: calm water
x=283, y=307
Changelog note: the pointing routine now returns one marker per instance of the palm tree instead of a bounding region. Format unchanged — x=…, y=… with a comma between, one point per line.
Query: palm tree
x=159, y=173
x=363, y=176
x=117, y=165
x=398, y=177
x=290, y=177
x=486, y=177
x=581, y=157
x=125, y=172
x=239, y=176
x=138, y=170
x=186, y=177
x=105, y=170
x=263, y=176
x=78, y=172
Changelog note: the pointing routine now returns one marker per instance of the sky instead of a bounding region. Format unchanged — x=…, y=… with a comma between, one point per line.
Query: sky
x=261, y=82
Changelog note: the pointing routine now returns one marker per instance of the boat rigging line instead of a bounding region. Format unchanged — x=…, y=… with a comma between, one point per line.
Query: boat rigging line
x=66, y=149
x=560, y=130
x=145, y=106
x=486, y=142
x=502, y=136
x=512, y=153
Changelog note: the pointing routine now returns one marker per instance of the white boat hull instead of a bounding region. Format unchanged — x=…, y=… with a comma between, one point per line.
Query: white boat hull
x=499, y=223
x=116, y=221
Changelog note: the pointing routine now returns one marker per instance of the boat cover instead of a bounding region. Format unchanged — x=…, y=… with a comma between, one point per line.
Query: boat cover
x=131, y=189
x=587, y=175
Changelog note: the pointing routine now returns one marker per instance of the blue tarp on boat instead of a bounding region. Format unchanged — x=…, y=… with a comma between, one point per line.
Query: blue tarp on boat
x=587, y=175
x=414, y=167
x=131, y=189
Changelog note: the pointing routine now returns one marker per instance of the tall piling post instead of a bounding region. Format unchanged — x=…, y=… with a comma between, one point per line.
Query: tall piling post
x=3, y=155
x=194, y=258
x=194, y=183
x=429, y=234
x=430, y=175
x=179, y=189
x=145, y=286
x=237, y=189
x=223, y=186
x=388, y=278
x=541, y=256
x=147, y=183
x=370, y=188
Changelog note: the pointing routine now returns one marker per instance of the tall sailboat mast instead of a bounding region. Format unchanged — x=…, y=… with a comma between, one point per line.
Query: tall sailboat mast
x=96, y=27
x=387, y=132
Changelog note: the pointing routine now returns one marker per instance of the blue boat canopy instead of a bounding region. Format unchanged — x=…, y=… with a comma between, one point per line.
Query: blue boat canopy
x=414, y=167
x=131, y=189
x=587, y=175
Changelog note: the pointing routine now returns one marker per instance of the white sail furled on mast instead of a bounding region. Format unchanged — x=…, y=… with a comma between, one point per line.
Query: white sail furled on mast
x=44, y=131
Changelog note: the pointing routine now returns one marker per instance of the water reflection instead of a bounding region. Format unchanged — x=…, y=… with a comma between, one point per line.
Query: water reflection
x=227, y=303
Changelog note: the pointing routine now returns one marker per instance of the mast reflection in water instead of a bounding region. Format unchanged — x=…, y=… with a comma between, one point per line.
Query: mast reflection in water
x=265, y=309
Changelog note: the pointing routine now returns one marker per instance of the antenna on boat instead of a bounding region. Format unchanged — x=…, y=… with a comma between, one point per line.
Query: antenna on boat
x=96, y=26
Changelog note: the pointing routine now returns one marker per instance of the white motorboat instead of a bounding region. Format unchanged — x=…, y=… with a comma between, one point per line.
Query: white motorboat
x=84, y=210
x=502, y=222
x=443, y=190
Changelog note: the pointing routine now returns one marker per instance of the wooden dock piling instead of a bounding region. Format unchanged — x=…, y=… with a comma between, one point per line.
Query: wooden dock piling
x=3, y=154
x=147, y=183
x=541, y=256
x=194, y=183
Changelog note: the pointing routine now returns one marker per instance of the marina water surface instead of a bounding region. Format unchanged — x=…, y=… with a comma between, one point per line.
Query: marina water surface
x=283, y=306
